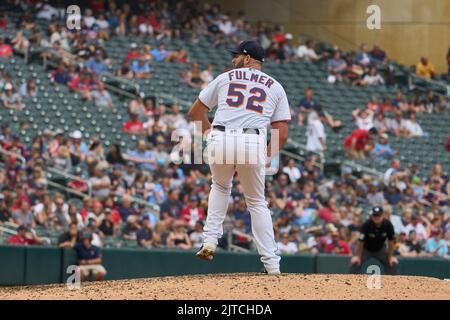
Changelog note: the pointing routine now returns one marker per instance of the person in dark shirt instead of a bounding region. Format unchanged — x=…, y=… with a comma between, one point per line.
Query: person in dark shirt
x=373, y=235
x=70, y=238
x=5, y=213
x=172, y=207
x=89, y=258
x=144, y=236
x=107, y=225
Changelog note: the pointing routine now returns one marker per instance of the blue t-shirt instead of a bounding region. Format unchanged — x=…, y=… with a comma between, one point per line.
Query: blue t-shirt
x=146, y=155
x=308, y=104
x=379, y=147
x=96, y=66
x=158, y=55
x=244, y=216
x=151, y=195
x=432, y=245
x=143, y=234
x=83, y=253
x=136, y=67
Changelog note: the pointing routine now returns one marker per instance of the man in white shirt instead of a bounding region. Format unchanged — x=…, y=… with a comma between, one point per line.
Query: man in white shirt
x=415, y=130
x=316, y=141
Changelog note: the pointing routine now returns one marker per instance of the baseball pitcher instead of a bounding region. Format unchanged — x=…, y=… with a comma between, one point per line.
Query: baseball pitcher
x=248, y=101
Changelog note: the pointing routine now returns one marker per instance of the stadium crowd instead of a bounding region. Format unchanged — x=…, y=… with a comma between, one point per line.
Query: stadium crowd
x=311, y=213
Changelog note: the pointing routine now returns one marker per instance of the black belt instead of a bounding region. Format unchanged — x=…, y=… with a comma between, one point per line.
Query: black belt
x=245, y=130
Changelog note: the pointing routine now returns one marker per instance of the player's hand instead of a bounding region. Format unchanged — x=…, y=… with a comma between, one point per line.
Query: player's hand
x=356, y=260
x=392, y=261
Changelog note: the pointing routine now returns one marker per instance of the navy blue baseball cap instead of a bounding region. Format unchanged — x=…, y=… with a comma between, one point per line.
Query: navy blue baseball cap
x=250, y=47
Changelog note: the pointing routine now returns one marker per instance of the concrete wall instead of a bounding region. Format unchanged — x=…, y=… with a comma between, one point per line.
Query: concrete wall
x=409, y=28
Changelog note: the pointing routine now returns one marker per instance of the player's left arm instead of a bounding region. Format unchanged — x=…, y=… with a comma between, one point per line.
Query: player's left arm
x=199, y=112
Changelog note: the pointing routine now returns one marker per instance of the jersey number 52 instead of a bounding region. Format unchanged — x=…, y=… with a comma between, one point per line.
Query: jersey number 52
x=236, y=97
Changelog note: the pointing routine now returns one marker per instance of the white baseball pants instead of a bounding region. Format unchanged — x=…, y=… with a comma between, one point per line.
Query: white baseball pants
x=245, y=153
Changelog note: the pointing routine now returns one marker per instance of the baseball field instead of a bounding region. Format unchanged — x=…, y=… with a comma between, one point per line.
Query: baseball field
x=243, y=286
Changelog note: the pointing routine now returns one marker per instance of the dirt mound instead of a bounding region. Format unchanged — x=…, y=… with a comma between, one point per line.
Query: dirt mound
x=243, y=286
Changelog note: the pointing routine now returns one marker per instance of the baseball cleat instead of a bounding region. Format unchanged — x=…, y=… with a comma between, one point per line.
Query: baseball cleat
x=272, y=272
x=206, y=252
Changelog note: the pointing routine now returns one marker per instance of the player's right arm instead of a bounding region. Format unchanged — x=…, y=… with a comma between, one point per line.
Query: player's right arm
x=207, y=99
x=199, y=112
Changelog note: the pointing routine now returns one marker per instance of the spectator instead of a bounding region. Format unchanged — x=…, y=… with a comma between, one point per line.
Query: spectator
x=89, y=259
x=100, y=182
x=425, y=69
x=101, y=97
x=114, y=156
x=62, y=160
x=133, y=54
x=240, y=212
x=125, y=70
x=372, y=78
x=353, y=72
x=29, y=89
x=82, y=84
x=134, y=125
x=378, y=54
x=356, y=144
x=178, y=238
x=24, y=237
x=412, y=127
x=363, y=57
x=337, y=245
x=207, y=75
x=125, y=209
x=435, y=245
x=142, y=157
x=336, y=66
x=5, y=213
x=307, y=52
x=70, y=238
x=129, y=231
x=78, y=148
x=144, y=235
x=292, y=171
x=194, y=78
x=381, y=123
x=399, y=102
x=96, y=64
x=363, y=119
x=416, y=225
x=160, y=54
x=415, y=248
x=192, y=213
x=374, y=197
x=382, y=149
x=11, y=99
x=23, y=215
x=60, y=75
x=285, y=246
x=172, y=208
x=431, y=102
x=137, y=105
x=398, y=126
x=141, y=68
x=196, y=235
x=108, y=224
x=6, y=50
x=61, y=217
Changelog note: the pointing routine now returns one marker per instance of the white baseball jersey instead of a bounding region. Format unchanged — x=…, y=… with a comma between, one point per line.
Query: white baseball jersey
x=246, y=98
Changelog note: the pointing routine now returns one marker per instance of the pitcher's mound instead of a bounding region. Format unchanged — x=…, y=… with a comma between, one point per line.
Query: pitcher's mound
x=246, y=286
